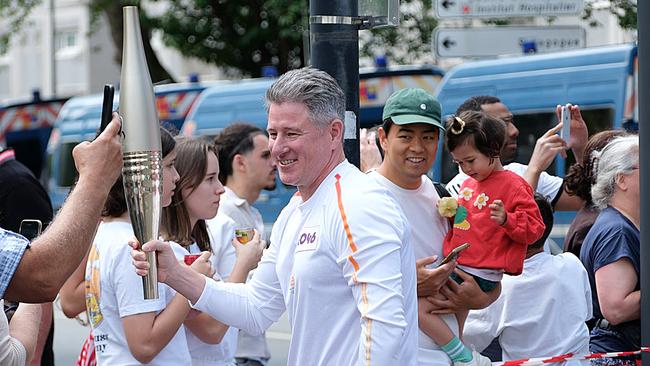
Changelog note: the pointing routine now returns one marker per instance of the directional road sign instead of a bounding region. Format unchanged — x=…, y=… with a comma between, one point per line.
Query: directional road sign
x=495, y=41
x=506, y=8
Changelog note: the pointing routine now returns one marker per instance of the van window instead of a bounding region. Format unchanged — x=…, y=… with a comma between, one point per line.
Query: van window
x=67, y=169
x=532, y=126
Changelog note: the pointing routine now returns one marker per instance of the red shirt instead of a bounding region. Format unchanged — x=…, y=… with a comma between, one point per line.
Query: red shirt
x=494, y=246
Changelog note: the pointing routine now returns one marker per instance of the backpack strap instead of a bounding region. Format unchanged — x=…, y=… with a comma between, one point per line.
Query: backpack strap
x=442, y=191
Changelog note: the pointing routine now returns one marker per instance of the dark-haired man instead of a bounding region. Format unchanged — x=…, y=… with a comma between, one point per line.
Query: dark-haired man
x=245, y=168
x=409, y=138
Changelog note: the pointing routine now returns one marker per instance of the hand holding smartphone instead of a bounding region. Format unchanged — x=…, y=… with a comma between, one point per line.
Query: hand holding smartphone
x=107, y=107
x=454, y=254
x=565, y=116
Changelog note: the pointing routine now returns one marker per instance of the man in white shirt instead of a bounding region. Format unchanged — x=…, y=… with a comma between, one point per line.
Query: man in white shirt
x=541, y=312
x=245, y=168
x=409, y=138
x=546, y=148
x=340, y=260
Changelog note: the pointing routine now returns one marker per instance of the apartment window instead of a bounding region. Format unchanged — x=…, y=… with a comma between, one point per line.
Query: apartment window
x=66, y=38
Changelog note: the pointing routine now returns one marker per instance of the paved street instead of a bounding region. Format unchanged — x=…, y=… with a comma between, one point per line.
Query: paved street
x=70, y=334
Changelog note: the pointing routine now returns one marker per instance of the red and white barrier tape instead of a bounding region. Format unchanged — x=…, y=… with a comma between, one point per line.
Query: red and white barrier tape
x=568, y=357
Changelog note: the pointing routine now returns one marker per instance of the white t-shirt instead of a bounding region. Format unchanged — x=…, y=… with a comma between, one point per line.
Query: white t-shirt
x=114, y=291
x=547, y=185
x=243, y=215
x=540, y=313
x=12, y=352
x=428, y=230
x=342, y=266
x=222, y=231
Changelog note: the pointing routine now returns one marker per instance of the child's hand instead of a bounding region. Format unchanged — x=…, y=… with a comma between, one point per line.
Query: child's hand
x=498, y=212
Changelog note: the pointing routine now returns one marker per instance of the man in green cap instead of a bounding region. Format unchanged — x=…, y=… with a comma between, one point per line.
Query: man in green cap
x=409, y=137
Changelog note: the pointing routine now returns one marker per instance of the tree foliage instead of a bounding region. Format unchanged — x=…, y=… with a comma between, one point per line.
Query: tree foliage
x=14, y=13
x=626, y=12
x=113, y=11
x=404, y=44
x=237, y=35
x=243, y=36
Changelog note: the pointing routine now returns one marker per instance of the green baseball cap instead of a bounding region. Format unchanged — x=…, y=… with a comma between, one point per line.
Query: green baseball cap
x=413, y=105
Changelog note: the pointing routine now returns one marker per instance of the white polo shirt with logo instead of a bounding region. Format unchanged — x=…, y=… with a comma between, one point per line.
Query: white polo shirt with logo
x=342, y=266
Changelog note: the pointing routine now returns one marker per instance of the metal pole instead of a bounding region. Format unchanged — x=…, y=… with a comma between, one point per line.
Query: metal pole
x=335, y=50
x=643, y=29
x=52, y=50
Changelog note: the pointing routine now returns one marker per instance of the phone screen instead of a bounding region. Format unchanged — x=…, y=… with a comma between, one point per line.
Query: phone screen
x=30, y=229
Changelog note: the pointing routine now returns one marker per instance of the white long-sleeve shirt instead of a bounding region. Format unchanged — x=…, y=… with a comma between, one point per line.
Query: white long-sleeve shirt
x=540, y=313
x=341, y=264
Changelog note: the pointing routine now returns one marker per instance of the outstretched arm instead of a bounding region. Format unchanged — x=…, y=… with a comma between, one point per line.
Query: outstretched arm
x=252, y=307
x=54, y=255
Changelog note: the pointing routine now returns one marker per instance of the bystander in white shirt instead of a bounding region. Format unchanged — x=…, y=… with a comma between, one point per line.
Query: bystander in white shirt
x=540, y=313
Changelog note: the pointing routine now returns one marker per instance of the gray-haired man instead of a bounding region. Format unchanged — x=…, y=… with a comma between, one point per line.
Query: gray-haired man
x=348, y=285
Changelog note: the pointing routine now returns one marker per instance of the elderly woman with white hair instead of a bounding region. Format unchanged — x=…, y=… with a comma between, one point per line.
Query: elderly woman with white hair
x=611, y=250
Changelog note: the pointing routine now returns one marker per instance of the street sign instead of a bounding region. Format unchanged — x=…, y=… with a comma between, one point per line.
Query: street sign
x=506, y=8
x=495, y=41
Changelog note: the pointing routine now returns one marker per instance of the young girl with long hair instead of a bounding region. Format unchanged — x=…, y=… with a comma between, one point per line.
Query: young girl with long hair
x=195, y=200
x=126, y=328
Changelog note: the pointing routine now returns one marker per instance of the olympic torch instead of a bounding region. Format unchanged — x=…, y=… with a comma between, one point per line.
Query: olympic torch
x=142, y=171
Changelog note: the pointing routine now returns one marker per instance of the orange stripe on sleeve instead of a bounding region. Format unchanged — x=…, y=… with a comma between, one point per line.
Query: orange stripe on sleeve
x=355, y=264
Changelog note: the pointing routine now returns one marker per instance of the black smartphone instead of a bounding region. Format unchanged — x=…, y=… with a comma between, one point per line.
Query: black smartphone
x=30, y=229
x=454, y=253
x=107, y=107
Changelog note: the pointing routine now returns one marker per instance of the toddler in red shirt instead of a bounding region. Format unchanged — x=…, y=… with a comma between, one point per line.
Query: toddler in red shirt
x=496, y=215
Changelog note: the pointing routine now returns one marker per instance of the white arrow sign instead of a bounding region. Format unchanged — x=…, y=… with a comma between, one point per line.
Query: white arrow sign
x=464, y=42
x=506, y=8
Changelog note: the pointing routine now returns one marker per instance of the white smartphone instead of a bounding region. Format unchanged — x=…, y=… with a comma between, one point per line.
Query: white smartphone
x=565, y=116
